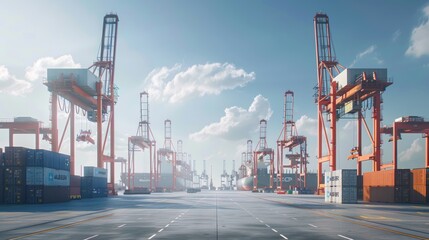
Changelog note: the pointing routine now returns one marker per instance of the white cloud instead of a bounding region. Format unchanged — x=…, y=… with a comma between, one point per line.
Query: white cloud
x=360, y=55
x=9, y=84
x=419, y=37
x=38, y=70
x=237, y=123
x=306, y=126
x=408, y=154
x=174, y=85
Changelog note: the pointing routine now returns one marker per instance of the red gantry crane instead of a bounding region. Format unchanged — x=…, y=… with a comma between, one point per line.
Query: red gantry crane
x=143, y=139
x=406, y=125
x=94, y=91
x=342, y=91
x=290, y=139
x=26, y=125
x=261, y=154
x=166, y=154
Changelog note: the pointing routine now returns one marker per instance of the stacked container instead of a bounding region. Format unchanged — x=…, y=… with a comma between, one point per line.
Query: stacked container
x=14, y=170
x=34, y=176
x=94, y=183
x=75, y=187
x=420, y=188
x=48, y=177
x=389, y=186
x=341, y=186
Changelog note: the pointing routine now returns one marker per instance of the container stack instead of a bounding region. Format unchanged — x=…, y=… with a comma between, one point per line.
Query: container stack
x=420, y=188
x=389, y=186
x=94, y=183
x=341, y=186
x=34, y=176
x=48, y=177
x=14, y=170
x=75, y=187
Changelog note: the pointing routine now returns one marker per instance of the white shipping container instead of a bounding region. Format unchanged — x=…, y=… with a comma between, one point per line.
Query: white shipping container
x=94, y=172
x=343, y=195
x=342, y=177
x=350, y=75
x=83, y=77
x=328, y=191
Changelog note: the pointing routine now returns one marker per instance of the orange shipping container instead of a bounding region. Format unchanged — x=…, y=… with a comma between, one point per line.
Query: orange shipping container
x=420, y=176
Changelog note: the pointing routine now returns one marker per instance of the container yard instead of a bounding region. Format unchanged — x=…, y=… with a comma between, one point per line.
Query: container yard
x=333, y=150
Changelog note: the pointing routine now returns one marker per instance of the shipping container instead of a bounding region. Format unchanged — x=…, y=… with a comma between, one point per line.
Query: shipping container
x=83, y=77
x=44, y=158
x=14, y=176
x=420, y=176
x=352, y=76
x=420, y=186
x=93, y=187
x=341, y=194
x=399, y=177
x=47, y=194
x=94, y=172
x=390, y=186
x=47, y=177
x=75, y=187
x=342, y=177
x=14, y=194
x=16, y=156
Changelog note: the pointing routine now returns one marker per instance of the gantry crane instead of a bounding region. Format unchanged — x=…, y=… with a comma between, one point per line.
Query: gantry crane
x=143, y=139
x=406, y=125
x=166, y=154
x=94, y=91
x=261, y=154
x=343, y=91
x=26, y=125
x=290, y=139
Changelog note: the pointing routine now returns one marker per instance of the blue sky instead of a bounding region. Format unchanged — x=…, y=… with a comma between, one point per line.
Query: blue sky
x=205, y=63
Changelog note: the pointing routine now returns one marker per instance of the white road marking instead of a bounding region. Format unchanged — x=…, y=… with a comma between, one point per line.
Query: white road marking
x=312, y=225
x=121, y=225
x=172, y=221
x=167, y=225
x=160, y=230
x=91, y=237
x=177, y=218
x=152, y=236
x=345, y=237
x=261, y=221
x=281, y=235
x=273, y=230
x=294, y=219
x=268, y=226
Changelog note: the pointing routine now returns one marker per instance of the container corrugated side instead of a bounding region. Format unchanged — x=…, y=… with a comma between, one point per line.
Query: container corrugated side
x=14, y=176
x=15, y=157
x=34, y=176
x=14, y=194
